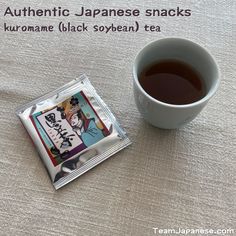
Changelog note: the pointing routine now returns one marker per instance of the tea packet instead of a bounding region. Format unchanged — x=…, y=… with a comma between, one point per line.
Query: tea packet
x=72, y=129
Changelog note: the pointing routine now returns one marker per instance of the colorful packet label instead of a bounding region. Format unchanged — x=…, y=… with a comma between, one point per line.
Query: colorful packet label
x=72, y=129
x=69, y=127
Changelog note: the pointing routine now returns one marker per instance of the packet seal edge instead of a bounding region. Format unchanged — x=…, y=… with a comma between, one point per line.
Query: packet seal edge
x=105, y=107
x=49, y=94
x=93, y=163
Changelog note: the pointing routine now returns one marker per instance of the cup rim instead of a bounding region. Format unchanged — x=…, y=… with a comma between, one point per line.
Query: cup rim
x=202, y=100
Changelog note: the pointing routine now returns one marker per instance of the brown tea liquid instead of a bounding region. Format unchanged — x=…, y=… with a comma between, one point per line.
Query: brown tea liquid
x=173, y=82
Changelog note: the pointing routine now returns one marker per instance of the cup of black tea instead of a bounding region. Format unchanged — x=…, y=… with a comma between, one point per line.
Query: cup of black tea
x=174, y=79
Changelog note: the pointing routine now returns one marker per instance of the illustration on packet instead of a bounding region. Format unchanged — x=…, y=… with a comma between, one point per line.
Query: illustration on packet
x=73, y=130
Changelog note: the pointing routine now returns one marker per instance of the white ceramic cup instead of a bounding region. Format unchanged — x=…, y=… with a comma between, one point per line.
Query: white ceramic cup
x=169, y=116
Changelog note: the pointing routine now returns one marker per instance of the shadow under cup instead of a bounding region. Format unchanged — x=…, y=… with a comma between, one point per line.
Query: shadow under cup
x=161, y=114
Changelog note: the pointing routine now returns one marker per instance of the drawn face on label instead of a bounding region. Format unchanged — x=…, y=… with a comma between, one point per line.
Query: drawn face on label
x=75, y=121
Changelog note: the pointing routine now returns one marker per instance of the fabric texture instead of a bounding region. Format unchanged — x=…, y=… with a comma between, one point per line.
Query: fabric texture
x=174, y=179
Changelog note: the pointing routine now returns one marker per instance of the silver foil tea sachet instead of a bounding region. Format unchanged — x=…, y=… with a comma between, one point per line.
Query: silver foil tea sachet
x=72, y=129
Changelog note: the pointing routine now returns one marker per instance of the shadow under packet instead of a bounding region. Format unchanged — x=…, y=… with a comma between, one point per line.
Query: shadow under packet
x=72, y=129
